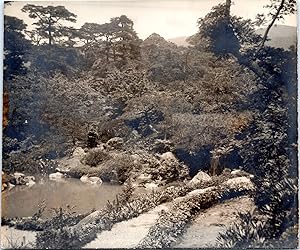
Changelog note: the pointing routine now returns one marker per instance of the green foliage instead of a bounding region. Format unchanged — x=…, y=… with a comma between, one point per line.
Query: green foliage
x=244, y=234
x=269, y=154
x=165, y=60
x=15, y=47
x=217, y=27
x=49, y=60
x=54, y=234
x=49, y=20
x=113, y=41
x=94, y=157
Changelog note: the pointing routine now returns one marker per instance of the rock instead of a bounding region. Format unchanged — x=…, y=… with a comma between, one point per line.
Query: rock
x=168, y=156
x=115, y=142
x=91, y=180
x=151, y=185
x=56, y=176
x=62, y=170
x=200, y=191
x=95, y=180
x=30, y=183
x=240, y=182
x=201, y=176
x=162, y=146
x=90, y=219
x=7, y=178
x=144, y=178
x=4, y=186
x=78, y=152
x=240, y=173
x=84, y=178
x=136, y=158
x=236, y=172
x=10, y=186
x=17, y=175
x=29, y=178
x=226, y=171
x=19, y=178
x=65, y=165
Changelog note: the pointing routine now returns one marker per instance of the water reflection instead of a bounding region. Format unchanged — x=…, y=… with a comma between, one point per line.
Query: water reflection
x=22, y=201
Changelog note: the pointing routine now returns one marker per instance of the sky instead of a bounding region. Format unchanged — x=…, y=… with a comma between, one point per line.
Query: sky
x=169, y=18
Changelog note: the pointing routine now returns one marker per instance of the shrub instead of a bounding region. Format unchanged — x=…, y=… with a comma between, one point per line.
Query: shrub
x=94, y=157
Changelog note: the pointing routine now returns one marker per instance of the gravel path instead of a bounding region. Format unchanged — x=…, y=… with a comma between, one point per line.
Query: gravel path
x=127, y=234
x=205, y=228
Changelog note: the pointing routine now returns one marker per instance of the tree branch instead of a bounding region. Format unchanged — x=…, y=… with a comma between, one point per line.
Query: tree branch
x=271, y=24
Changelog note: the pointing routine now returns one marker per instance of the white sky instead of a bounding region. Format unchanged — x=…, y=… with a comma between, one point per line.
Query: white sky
x=169, y=18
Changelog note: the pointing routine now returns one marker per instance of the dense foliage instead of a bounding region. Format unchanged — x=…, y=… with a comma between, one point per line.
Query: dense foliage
x=225, y=102
x=16, y=47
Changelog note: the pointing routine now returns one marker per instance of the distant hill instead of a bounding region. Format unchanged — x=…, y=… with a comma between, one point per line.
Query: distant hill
x=281, y=36
x=156, y=39
x=180, y=41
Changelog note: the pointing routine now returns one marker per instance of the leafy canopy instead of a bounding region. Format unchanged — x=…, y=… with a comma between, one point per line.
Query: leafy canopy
x=49, y=19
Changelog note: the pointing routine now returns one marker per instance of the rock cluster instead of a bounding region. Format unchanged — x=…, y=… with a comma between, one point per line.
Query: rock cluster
x=109, y=162
x=10, y=180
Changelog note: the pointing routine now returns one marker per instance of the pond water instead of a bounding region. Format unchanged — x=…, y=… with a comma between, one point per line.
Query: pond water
x=22, y=201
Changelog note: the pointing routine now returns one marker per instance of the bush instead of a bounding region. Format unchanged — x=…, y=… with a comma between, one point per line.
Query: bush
x=94, y=157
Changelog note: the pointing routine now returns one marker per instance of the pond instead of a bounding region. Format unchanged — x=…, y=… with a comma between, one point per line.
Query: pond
x=22, y=201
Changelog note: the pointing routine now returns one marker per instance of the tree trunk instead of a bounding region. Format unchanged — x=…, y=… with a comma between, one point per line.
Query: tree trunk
x=214, y=166
x=271, y=24
x=228, y=5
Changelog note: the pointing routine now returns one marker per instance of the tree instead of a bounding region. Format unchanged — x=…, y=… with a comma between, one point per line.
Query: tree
x=15, y=47
x=224, y=33
x=217, y=26
x=113, y=41
x=127, y=41
x=97, y=40
x=49, y=19
x=34, y=36
x=89, y=32
x=68, y=36
x=278, y=9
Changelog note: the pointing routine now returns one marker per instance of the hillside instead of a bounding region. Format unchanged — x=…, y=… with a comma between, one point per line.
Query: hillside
x=281, y=36
x=179, y=41
x=112, y=141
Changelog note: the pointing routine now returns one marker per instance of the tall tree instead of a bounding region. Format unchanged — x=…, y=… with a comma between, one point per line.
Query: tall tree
x=89, y=32
x=49, y=19
x=217, y=26
x=116, y=40
x=127, y=41
x=228, y=6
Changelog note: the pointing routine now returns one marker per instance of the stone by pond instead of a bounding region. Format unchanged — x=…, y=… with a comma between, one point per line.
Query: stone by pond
x=23, y=201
